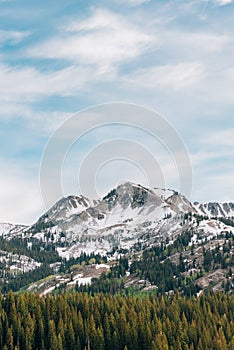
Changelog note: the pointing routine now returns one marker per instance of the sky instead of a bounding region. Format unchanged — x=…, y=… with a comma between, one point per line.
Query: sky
x=59, y=58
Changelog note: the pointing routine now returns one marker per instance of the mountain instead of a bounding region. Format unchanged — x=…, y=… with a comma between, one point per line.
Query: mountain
x=215, y=209
x=11, y=230
x=128, y=217
x=125, y=222
x=65, y=208
x=127, y=214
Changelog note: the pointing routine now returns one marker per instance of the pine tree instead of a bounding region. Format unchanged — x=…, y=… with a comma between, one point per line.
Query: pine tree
x=53, y=343
x=161, y=342
x=10, y=341
x=70, y=337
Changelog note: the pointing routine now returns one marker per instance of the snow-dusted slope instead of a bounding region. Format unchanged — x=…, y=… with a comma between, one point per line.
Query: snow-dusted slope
x=164, y=193
x=214, y=209
x=127, y=205
x=7, y=229
x=129, y=216
x=66, y=207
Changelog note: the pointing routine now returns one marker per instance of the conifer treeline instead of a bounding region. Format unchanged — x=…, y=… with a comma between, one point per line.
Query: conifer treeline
x=78, y=321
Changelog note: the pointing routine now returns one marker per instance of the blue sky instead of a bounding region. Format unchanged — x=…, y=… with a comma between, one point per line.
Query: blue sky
x=56, y=58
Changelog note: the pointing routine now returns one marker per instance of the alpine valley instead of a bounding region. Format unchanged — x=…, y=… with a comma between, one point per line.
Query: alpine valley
x=134, y=238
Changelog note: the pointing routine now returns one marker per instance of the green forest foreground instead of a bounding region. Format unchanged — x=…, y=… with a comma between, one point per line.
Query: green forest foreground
x=75, y=320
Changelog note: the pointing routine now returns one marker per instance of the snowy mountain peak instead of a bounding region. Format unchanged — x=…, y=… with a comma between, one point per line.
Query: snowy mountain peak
x=133, y=195
x=66, y=207
x=127, y=215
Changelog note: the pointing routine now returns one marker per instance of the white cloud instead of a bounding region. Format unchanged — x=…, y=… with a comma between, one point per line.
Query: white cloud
x=29, y=84
x=212, y=168
x=20, y=200
x=133, y=2
x=197, y=43
x=220, y=138
x=13, y=37
x=213, y=187
x=104, y=39
x=96, y=45
x=137, y=2
x=41, y=120
x=173, y=77
x=223, y=2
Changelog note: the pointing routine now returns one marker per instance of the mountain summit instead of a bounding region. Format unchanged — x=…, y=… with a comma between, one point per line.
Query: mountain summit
x=130, y=216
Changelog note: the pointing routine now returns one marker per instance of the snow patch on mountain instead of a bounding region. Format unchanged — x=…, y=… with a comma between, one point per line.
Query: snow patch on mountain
x=164, y=193
x=11, y=230
x=215, y=209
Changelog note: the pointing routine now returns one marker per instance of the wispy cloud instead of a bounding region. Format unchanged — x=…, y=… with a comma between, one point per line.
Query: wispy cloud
x=20, y=196
x=12, y=37
x=133, y=2
x=220, y=138
x=172, y=77
x=41, y=120
x=104, y=39
x=198, y=43
x=27, y=84
x=223, y=2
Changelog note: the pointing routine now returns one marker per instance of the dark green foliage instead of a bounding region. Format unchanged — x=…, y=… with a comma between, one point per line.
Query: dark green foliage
x=182, y=240
x=207, y=255
x=216, y=258
x=156, y=267
x=24, y=279
x=42, y=224
x=162, y=272
x=77, y=321
x=40, y=251
x=110, y=282
x=229, y=222
x=83, y=258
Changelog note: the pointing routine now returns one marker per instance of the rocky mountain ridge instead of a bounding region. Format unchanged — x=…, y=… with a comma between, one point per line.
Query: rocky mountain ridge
x=128, y=217
x=79, y=239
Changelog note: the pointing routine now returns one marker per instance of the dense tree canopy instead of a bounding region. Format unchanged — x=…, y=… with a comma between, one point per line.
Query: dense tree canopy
x=79, y=321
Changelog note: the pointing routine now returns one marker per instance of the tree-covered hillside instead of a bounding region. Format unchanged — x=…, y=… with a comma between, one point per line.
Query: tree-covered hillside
x=104, y=322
